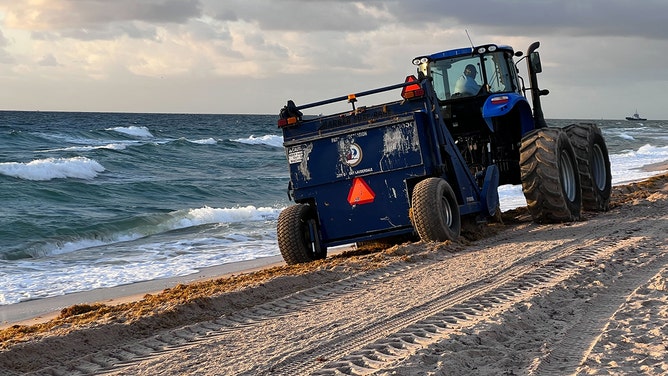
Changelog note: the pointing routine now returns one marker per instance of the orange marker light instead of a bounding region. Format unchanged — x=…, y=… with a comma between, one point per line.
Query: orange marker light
x=285, y=122
x=412, y=91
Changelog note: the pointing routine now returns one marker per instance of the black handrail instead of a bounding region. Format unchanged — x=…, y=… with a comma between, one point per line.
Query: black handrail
x=360, y=94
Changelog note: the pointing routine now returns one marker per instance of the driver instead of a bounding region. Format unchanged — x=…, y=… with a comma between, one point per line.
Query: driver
x=466, y=83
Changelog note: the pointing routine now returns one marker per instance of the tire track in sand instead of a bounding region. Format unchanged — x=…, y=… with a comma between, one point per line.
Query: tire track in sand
x=466, y=305
x=579, y=340
x=498, y=298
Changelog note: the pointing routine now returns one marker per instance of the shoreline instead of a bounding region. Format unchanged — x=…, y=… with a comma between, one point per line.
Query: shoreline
x=655, y=167
x=41, y=310
x=38, y=311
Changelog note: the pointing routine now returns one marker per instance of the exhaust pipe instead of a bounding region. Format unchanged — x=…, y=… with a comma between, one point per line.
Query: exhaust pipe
x=534, y=67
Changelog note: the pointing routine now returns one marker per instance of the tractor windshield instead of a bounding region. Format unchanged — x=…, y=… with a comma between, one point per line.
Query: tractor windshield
x=472, y=75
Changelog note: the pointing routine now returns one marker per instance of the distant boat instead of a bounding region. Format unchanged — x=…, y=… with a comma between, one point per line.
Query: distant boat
x=635, y=117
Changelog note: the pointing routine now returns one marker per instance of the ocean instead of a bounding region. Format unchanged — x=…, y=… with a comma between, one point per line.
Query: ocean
x=93, y=200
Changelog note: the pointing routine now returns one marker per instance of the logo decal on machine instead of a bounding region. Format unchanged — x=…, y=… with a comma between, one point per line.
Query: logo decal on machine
x=354, y=155
x=360, y=193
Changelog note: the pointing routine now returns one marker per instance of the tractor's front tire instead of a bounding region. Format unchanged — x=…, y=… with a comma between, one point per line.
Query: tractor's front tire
x=435, y=211
x=550, y=179
x=297, y=233
x=593, y=165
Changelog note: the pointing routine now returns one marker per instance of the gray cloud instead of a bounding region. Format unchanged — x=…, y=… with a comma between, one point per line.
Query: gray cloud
x=5, y=57
x=259, y=43
x=646, y=19
x=48, y=60
x=106, y=32
x=88, y=19
x=298, y=15
x=101, y=19
x=81, y=13
x=572, y=18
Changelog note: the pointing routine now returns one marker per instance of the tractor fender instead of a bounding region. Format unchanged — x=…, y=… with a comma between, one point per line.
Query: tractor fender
x=490, y=190
x=502, y=104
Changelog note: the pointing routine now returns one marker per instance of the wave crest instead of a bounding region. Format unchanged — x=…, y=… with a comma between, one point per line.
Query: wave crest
x=53, y=168
x=147, y=226
x=206, y=215
x=133, y=131
x=270, y=139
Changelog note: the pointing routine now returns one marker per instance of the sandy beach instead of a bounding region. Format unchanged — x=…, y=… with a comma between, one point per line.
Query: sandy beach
x=511, y=298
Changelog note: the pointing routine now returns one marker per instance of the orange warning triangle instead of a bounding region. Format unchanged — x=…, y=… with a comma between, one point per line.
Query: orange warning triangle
x=360, y=193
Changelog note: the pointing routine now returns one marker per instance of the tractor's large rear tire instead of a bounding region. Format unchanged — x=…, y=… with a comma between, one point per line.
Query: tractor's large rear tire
x=550, y=179
x=593, y=165
x=435, y=211
x=297, y=233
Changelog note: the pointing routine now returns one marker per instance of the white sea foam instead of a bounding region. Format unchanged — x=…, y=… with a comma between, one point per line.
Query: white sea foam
x=134, y=131
x=149, y=261
x=270, y=139
x=206, y=141
x=112, y=146
x=627, y=166
x=61, y=279
x=144, y=258
x=511, y=197
x=53, y=168
x=65, y=247
x=207, y=215
x=176, y=220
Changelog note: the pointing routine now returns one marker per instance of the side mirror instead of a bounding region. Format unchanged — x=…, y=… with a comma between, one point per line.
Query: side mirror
x=535, y=62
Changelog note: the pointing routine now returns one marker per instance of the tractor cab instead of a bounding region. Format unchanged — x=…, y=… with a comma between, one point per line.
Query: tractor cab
x=489, y=69
x=465, y=78
x=480, y=86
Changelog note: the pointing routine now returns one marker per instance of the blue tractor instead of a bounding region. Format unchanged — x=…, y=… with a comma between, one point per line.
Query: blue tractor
x=434, y=158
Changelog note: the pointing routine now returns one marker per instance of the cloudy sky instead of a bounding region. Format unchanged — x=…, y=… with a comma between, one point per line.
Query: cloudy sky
x=601, y=58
